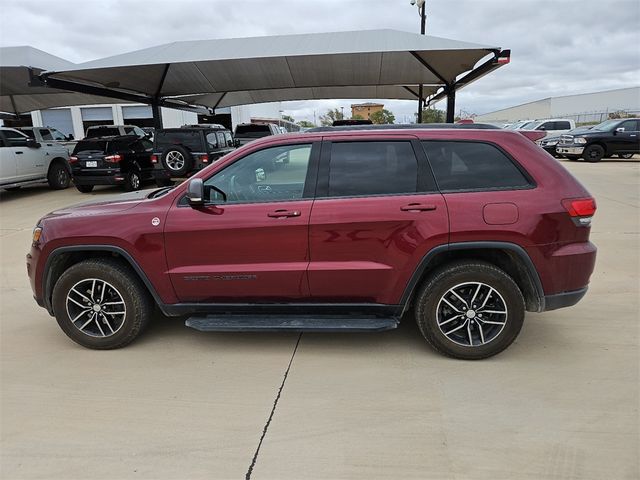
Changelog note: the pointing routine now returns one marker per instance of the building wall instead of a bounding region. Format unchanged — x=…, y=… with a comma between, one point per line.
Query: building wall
x=365, y=109
x=583, y=107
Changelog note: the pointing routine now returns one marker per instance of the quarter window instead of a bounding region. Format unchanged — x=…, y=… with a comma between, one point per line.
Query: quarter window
x=472, y=166
x=268, y=175
x=372, y=168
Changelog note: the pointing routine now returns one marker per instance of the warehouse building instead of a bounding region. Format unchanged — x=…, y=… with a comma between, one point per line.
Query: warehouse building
x=583, y=108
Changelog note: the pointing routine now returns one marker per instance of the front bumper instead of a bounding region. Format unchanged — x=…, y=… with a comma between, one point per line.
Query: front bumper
x=570, y=150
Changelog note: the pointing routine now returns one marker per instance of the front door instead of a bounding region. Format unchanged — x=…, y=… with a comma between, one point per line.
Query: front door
x=628, y=139
x=377, y=213
x=253, y=246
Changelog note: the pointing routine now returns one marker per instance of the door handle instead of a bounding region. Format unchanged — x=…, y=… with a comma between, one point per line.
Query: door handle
x=284, y=213
x=417, y=207
x=19, y=153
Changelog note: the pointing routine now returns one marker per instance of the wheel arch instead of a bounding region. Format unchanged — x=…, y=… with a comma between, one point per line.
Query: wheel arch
x=62, y=258
x=57, y=160
x=511, y=258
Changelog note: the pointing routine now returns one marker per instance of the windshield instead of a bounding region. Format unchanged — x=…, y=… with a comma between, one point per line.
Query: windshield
x=528, y=126
x=515, y=126
x=606, y=125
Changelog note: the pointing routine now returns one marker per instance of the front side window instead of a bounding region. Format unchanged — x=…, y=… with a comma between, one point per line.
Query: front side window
x=56, y=135
x=472, y=166
x=228, y=139
x=372, y=168
x=46, y=134
x=272, y=174
x=221, y=141
x=629, y=126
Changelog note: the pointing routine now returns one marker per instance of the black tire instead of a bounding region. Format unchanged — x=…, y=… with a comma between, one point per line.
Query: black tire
x=593, y=153
x=85, y=188
x=626, y=156
x=132, y=180
x=58, y=176
x=177, y=160
x=573, y=158
x=430, y=304
x=138, y=303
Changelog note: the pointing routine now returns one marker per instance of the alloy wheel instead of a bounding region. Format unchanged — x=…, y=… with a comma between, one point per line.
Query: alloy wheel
x=96, y=308
x=471, y=314
x=174, y=160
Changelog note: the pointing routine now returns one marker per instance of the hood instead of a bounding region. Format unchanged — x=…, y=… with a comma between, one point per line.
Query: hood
x=113, y=204
x=578, y=130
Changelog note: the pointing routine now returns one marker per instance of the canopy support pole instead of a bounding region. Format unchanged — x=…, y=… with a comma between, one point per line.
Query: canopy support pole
x=451, y=103
x=157, y=115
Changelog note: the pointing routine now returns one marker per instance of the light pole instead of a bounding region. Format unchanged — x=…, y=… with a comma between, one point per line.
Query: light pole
x=423, y=25
x=342, y=112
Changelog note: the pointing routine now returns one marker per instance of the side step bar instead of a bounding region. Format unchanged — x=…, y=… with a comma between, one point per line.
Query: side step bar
x=291, y=323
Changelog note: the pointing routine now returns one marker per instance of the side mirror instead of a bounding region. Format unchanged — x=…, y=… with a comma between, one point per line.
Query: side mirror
x=31, y=143
x=195, y=192
x=620, y=130
x=70, y=137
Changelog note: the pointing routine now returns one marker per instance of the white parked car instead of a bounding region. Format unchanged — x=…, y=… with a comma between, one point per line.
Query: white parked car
x=552, y=126
x=24, y=161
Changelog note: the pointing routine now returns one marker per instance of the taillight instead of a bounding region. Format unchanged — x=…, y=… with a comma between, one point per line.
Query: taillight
x=73, y=159
x=204, y=158
x=580, y=209
x=113, y=158
x=154, y=158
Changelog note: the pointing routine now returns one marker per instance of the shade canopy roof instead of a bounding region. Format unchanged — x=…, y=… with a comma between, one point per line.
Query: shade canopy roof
x=384, y=64
x=17, y=96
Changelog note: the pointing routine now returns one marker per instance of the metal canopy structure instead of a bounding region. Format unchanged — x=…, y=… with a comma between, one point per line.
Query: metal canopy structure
x=381, y=64
x=17, y=96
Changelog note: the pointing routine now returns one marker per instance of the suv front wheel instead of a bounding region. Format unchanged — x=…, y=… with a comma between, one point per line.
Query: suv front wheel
x=470, y=310
x=101, y=304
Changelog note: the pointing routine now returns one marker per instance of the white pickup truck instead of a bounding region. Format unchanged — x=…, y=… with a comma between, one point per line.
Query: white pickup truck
x=551, y=126
x=24, y=161
x=49, y=135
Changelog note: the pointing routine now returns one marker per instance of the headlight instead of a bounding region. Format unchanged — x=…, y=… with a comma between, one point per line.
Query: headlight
x=579, y=140
x=37, y=233
x=551, y=143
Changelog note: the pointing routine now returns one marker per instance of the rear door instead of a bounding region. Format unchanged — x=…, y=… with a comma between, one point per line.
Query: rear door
x=376, y=214
x=253, y=246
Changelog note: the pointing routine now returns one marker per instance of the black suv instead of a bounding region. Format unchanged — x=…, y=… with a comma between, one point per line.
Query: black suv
x=116, y=160
x=612, y=137
x=181, y=152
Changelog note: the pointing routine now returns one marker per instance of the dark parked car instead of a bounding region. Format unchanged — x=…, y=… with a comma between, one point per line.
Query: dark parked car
x=612, y=137
x=181, y=152
x=118, y=160
x=466, y=228
x=248, y=132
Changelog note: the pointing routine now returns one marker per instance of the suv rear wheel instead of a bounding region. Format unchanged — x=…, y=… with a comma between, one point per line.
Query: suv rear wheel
x=177, y=161
x=101, y=304
x=470, y=310
x=132, y=180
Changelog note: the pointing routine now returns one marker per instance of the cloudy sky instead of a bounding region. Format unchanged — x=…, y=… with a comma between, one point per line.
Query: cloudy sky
x=558, y=46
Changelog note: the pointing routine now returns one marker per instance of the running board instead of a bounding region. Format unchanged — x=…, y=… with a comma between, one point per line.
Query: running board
x=290, y=323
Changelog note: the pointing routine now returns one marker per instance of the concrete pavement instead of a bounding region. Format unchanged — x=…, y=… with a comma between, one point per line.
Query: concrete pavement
x=562, y=402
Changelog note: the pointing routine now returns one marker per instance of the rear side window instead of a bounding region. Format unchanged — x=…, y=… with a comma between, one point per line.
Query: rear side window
x=562, y=126
x=372, y=168
x=472, y=166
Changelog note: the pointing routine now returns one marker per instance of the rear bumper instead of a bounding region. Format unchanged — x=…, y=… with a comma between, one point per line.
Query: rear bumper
x=115, y=179
x=564, y=299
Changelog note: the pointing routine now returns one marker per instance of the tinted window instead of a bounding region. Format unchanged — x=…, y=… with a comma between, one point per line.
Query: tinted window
x=102, y=132
x=629, y=126
x=15, y=139
x=221, y=141
x=372, y=168
x=472, y=166
x=86, y=145
x=29, y=133
x=562, y=126
x=212, y=140
x=227, y=136
x=268, y=175
x=46, y=134
x=253, y=131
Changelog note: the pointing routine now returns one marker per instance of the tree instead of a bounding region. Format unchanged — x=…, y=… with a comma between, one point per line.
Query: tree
x=331, y=116
x=357, y=117
x=383, y=116
x=306, y=124
x=288, y=118
x=433, y=115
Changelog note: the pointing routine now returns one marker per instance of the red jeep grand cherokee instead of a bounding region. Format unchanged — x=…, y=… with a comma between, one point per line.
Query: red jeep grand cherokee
x=330, y=231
